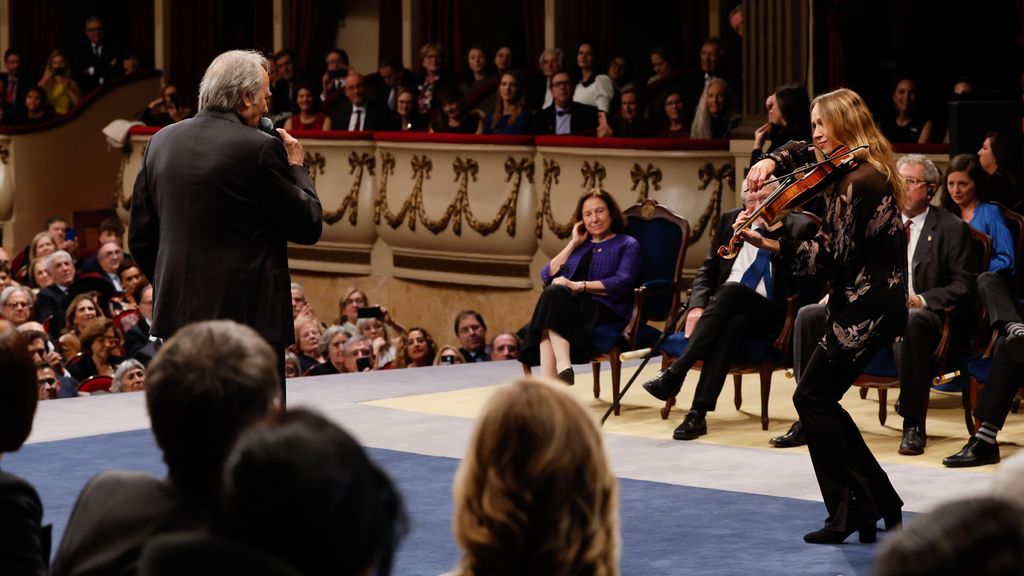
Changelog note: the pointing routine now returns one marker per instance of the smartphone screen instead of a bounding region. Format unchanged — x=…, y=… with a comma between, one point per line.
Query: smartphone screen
x=369, y=312
x=69, y=234
x=362, y=363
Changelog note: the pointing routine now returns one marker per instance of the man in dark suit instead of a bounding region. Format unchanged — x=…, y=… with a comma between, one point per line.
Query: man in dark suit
x=207, y=385
x=15, y=87
x=732, y=300
x=389, y=79
x=53, y=300
x=629, y=123
x=289, y=80
x=471, y=330
x=138, y=336
x=95, y=59
x=710, y=60
x=941, y=274
x=538, y=88
x=215, y=203
x=358, y=113
x=565, y=116
x=333, y=81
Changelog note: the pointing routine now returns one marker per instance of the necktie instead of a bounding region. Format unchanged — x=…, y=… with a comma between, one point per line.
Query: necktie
x=909, y=224
x=359, y=120
x=562, y=112
x=12, y=89
x=760, y=268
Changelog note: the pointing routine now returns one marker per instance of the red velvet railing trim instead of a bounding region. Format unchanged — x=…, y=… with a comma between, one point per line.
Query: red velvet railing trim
x=906, y=148
x=631, y=143
x=426, y=137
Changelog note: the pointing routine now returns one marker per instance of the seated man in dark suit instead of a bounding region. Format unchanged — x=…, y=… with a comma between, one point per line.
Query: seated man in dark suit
x=358, y=114
x=629, y=122
x=471, y=330
x=389, y=79
x=209, y=382
x=732, y=300
x=538, y=88
x=137, y=337
x=565, y=116
x=940, y=274
x=53, y=300
x=111, y=230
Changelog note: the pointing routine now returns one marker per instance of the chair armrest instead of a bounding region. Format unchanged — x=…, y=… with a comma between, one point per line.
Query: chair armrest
x=942, y=350
x=782, y=341
x=640, y=295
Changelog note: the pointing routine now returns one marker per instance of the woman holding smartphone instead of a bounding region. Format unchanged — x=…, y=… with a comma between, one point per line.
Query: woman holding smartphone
x=61, y=90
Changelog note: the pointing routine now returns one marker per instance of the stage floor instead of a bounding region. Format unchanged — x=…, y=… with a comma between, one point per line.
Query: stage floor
x=675, y=495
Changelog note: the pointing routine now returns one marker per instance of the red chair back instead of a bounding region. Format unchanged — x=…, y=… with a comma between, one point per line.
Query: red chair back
x=95, y=384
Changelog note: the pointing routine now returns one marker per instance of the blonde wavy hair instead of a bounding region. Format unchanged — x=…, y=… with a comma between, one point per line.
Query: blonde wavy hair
x=535, y=493
x=853, y=125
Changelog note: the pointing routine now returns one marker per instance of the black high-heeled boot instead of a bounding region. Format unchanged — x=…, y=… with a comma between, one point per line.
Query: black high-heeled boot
x=866, y=534
x=893, y=520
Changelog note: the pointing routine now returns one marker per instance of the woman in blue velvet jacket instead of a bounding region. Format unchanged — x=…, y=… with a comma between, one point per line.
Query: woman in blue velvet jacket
x=589, y=282
x=966, y=186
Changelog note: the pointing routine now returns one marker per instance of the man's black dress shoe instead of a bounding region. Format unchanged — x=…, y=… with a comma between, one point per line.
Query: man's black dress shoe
x=567, y=376
x=866, y=534
x=792, y=438
x=913, y=441
x=693, y=425
x=665, y=385
x=977, y=452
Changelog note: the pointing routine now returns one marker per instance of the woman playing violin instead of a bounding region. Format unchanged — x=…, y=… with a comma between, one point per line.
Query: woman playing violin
x=861, y=249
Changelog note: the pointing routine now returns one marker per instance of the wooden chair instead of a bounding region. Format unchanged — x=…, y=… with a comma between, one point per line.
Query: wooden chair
x=664, y=237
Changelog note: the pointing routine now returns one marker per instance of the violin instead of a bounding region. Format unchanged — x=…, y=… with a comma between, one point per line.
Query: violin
x=794, y=190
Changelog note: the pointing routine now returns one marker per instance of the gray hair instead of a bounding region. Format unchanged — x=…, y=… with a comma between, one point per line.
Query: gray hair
x=931, y=172
x=364, y=322
x=556, y=51
x=232, y=75
x=10, y=290
x=51, y=260
x=122, y=370
x=328, y=335
x=354, y=340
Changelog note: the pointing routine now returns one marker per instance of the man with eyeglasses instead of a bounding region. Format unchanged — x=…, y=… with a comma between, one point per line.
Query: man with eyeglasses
x=43, y=353
x=95, y=59
x=565, y=116
x=110, y=258
x=49, y=384
x=16, y=304
x=941, y=274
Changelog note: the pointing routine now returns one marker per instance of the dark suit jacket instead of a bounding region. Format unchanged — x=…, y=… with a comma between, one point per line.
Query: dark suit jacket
x=942, y=269
x=715, y=270
x=214, y=206
x=52, y=302
x=24, y=541
x=104, y=68
x=583, y=118
x=136, y=337
x=536, y=91
x=20, y=91
x=376, y=118
x=113, y=517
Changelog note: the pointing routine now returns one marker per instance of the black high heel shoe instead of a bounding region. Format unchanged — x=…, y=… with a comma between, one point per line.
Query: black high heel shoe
x=893, y=520
x=866, y=534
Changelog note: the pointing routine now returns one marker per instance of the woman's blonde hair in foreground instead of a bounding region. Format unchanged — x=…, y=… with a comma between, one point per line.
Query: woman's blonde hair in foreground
x=535, y=494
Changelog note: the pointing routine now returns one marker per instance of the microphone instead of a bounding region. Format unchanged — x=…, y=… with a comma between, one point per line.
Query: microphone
x=267, y=125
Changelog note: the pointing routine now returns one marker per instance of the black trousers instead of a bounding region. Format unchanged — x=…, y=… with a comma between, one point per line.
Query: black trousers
x=736, y=314
x=994, y=295
x=856, y=490
x=1000, y=389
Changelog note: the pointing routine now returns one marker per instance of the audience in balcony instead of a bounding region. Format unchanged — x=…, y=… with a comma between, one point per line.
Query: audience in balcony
x=715, y=116
x=36, y=110
x=308, y=117
x=906, y=122
x=100, y=350
x=358, y=112
x=710, y=67
x=408, y=118
x=130, y=63
x=61, y=90
x=788, y=112
x=16, y=304
x=1000, y=158
x=15, y=87
x=471, y=331
x=510, y=115
x=456, y=120
x=95, y=59
x=417, y=349
x=165, y=110
x=967, y=196
x=505, y=346
x=538, y=88
x=675, y=117
x=333, y=81
x=629, y=122
x=503, y=59
x=478, y=73
x=448, y=355
x=564, y=116
x=592, y=89
x=130, y=376
x=286, y=89
x=390, y=77
x=429, y=84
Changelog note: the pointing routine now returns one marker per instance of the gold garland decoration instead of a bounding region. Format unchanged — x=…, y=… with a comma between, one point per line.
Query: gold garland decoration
x=119, y=199
x=593, y=176
x=421, y=168
x=551, y=173
x=713, y=210
x=313, y=163
x=645, y=178
x=359, y=164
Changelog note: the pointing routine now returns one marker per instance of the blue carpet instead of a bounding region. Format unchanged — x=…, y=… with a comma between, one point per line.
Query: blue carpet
x=666, y=529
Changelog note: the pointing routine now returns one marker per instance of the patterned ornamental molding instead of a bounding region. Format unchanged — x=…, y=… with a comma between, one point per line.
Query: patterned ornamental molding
x=551, y=173
x=119, y=198
x=314, y=163
x=645, y=178
x=593, y=176
x=359, y=164
x=514, y=172
x=713, y=210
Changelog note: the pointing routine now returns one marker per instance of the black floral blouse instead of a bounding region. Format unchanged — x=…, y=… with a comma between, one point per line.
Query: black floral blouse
x=861, y=250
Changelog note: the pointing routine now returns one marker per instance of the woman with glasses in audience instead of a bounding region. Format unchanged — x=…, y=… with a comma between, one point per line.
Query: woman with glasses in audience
x=417, y=349
x=16, y=304
x=348, y=308
x=100, y=348
x=676, y=118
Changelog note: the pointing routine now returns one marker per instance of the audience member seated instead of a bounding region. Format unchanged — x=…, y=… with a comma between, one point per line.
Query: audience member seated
x=593, y=89
x=505, y=346
x=967, y=197
x=137, y=342
x=538, y=88
x=95, y=59
x=907, y=122
x=208, y=383
x=666, y=80
x=349, y=306
x=49, y=384
x=80, y=312
x=531, y=435
x=405, y=109
x=5, y=277
x=456, y=120
x=358, y=355
x=1000, y=158
x=307, y=342
x=619, y=72
x=53, y=300
x=58, y=229
x=448, y=355
x=710, y=67
x=40, y=277
x=390, y=77
x=130, y=63
x=428, y=85
x=589, y=282
x=131, y=278
x=510, y=115
x=291, y=365
x=471, y=330
x=62, y=92
x=715, y=116
x=100, y=347
x=286, y=89
x=332, y=349
x=478, y=75
x=302, y=489
x=36, y=110
x=24, y=545
x=130, y=376
x=384, y=349
x=789, y=109
x=43, y=352
x=15, y=87
x=983, y=536
x=417, y=349
x=16, y=303
x=308, y=118
x=675, y=117
x=39, y=249
x=358, y=112
x=629, y=123
x=110, y=257
x=732, y=300
x=503, y=59
x=333, y=81
x=165, y=110
x=565, y=116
